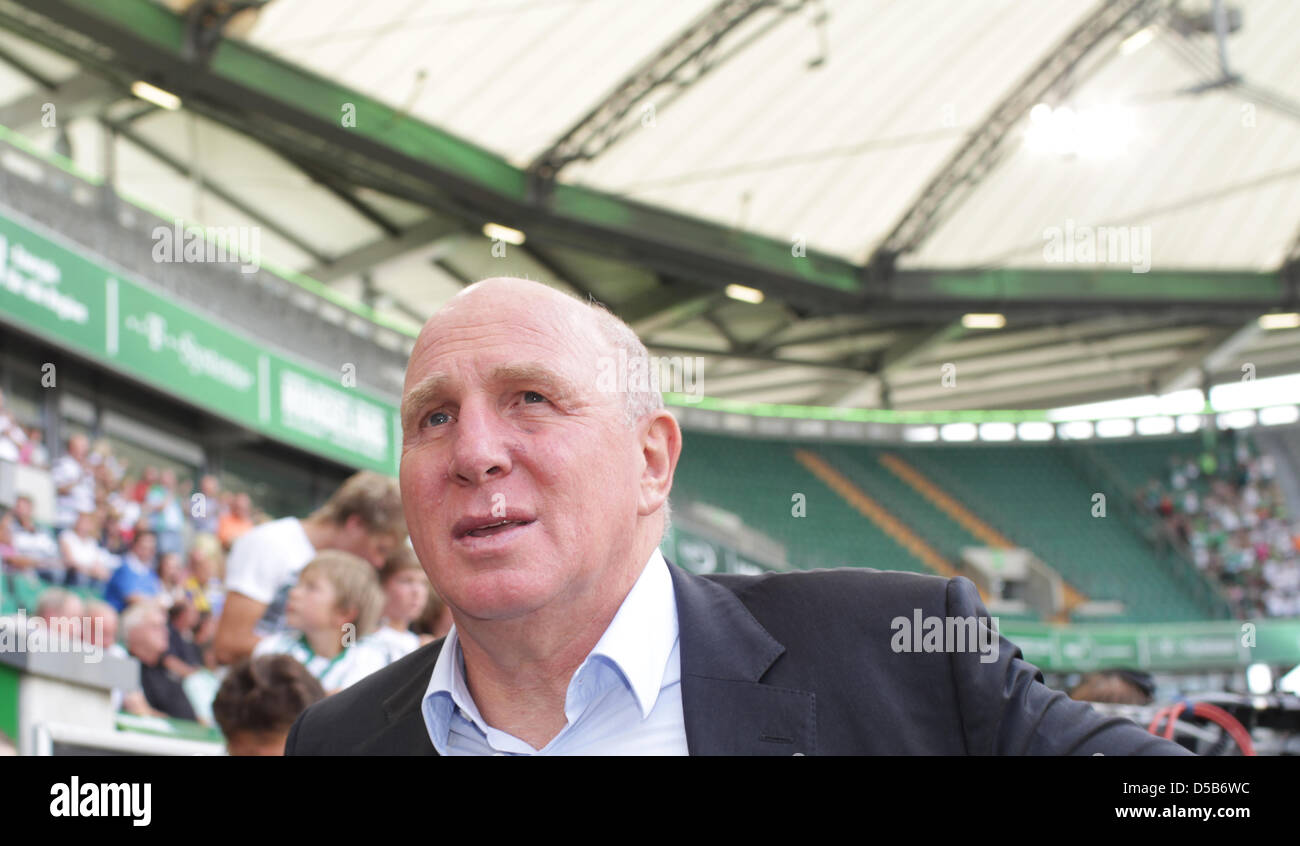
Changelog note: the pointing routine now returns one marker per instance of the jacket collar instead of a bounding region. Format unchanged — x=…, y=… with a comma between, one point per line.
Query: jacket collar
x=724, y=653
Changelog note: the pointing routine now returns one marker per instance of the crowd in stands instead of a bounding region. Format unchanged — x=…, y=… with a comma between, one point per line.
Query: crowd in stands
x=1225, y=509
x=210, y=595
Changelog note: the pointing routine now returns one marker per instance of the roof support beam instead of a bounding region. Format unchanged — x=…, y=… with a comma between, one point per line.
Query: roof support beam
x=1210, y=357
x=657, y=81
x=297, y=113
x=79, y=96
x=129, y=134
x=985, y=145
x=424, y=233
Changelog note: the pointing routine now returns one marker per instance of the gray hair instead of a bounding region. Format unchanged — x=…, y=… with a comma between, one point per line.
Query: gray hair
x=621, y=337
x=639, y=403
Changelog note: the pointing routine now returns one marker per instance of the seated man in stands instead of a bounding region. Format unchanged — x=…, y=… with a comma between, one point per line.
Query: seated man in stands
x=144, y=625
x=35, y=550
x=363, y=517
x=135, y=578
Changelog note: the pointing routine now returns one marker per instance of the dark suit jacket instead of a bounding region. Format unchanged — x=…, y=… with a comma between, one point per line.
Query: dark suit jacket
x=795, y=663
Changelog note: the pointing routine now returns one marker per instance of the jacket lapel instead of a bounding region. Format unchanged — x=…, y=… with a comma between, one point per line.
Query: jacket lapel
x=404, y=731
x=724, y=653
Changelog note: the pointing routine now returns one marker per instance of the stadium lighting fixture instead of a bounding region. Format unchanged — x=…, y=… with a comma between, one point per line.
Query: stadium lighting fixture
x=1161, y=425
x=1291, y=681
x=921, y=434
x=983, y=321
x=1279, y=415
x=1117, y=427
x=154, y=94
x=1289, y=320
x=997, y=431
x=1259, y=678
x=1035, y=430
x=1094, y=132
x=1242, y=418
x=745, y=294
x=1075, y=430
x=958, y=432
x=497, y=232
x=1137, y=41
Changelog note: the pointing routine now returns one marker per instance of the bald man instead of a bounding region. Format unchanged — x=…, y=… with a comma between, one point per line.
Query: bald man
x=536, y=497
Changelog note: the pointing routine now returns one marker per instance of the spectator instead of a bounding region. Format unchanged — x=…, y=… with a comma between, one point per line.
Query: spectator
x=1119, y=687
x=74, y=481
x=164, y=513
x=334, y=606
x=61, y=613
x=12, y=437
x=34, y=452
x=144, y=626
x=103, y=628
x=363, y=517
x=406, y=592
x=135, y=579
x=84, y=560
x=202, y=583
x=6, y=535
x=171, y=573
x=236, y=521
x=182, y=620
x=34, y=548
x=148, y=479
x=259, y=701
x=205, y=507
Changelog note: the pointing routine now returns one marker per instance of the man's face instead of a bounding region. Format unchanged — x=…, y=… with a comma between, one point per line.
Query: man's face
x=354, y=537
x=23, y=511
x=516, y=431
x=144, y=548
x=148, y=640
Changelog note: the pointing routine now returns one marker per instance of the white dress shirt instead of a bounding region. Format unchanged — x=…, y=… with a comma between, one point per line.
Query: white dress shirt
x=624, y=699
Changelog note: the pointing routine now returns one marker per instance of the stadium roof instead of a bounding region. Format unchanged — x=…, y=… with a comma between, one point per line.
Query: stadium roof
x=876, y=169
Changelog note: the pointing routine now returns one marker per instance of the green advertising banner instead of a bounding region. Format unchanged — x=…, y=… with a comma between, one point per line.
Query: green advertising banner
x=1157, y=646
x=48, y=287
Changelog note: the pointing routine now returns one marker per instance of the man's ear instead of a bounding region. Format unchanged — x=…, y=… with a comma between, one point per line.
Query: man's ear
x=661, y=446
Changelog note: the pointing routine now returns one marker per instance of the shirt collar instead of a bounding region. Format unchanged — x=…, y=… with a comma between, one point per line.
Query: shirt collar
x=638, y=641
x=641, y=636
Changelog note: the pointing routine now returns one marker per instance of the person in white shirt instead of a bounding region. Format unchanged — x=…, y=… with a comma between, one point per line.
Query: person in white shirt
x=34, y=548
x=86, y=562
x=331, y=610
x=363, y=517
x=406, y=590
x=74, y=482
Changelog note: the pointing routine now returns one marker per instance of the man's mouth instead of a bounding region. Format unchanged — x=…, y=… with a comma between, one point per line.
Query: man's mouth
x=494, y=528
x=484, y=527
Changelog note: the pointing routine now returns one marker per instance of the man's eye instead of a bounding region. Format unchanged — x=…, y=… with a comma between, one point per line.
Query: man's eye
x=529, y=397
x=431, y=417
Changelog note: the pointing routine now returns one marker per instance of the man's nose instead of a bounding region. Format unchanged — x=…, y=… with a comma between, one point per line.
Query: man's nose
x=479, y=451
